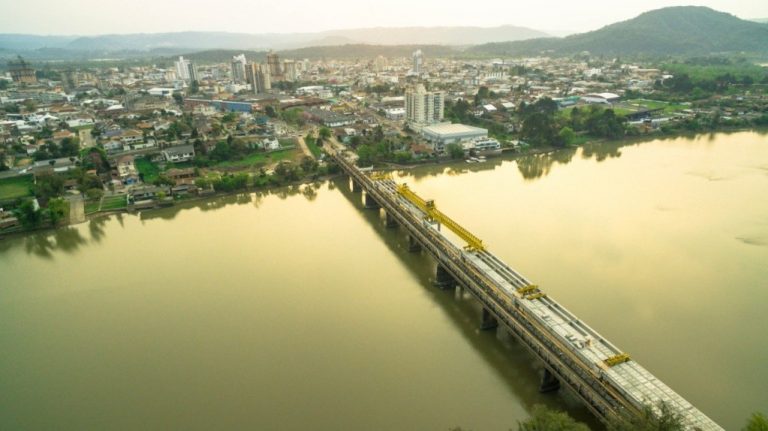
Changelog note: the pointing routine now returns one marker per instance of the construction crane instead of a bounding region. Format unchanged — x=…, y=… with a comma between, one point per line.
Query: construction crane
x=433, y=214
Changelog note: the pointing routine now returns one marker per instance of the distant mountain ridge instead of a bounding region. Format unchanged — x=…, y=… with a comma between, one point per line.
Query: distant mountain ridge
x=679, y=30
x=193, y=40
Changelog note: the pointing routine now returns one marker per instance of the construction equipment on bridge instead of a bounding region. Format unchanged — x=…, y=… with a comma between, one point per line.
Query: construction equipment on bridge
x=617, y=359
x=428, y=207
x=381, y=176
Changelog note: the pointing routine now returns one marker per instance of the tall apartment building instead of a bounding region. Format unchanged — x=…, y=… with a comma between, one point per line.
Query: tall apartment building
x=424, y=107
x=21, y=71
x=182, y=68
x=238, y=68
x=258, y=77
x=273, y=64
x=289, y=71
x=418, y=62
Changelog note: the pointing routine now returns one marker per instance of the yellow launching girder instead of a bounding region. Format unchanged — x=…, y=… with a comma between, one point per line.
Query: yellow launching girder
x=617, y=359
x=428, y=207
x=380, y=176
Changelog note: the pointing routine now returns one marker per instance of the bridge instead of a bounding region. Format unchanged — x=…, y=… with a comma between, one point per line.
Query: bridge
x=605, y=378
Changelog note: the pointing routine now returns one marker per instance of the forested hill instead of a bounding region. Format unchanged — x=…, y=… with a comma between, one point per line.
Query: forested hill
x=681, y=30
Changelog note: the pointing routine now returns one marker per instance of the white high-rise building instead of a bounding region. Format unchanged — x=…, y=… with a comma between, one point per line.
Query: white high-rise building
x=424, y=107
x=182, y=68
x=238, y=68
x=418, y=62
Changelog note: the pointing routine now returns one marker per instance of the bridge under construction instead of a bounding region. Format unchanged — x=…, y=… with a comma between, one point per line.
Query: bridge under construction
x=604, y=377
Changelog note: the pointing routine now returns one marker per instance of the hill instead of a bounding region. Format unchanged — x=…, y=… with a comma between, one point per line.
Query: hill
x=682, y=30
x=201, y=40
x=354, y=51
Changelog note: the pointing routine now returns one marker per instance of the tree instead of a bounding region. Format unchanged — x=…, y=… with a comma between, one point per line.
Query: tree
x=544, y=419
x=194, y=87
x=567, y=136
x=455, y=151
x=324, y=134
x=48, y=186
x=178, y=98
x=308, y=164
x=270, y=111
x=663, y=418
x=57, y=209
x=758, y=422
x=28, y=216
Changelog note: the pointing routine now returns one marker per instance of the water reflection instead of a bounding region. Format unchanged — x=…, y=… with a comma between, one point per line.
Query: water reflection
x=66, y=239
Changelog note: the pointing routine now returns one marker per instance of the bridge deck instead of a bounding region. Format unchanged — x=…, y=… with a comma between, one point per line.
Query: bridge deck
x=570, y=343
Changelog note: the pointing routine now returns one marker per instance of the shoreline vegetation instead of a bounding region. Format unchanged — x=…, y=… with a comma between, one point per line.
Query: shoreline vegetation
x=262, y=182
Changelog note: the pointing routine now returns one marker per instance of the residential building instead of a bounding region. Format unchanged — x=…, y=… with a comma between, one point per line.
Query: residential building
x=418, y=61
x=424, y=107
x=179, y=153
x=273, y=63
x=21, y=71
x=256, y=76
x=238, y=68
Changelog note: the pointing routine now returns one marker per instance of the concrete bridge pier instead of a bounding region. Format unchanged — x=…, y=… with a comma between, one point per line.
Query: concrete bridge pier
x=390, y=221
x=355, y=186
x=443, y=278
x=488, y=321
x=549, y=382
x=413, y=244
x=369, y=202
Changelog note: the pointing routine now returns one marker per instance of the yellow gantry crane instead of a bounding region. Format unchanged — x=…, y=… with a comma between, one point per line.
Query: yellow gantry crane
x=433, y=214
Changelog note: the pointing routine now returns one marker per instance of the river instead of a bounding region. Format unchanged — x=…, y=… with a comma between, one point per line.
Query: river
x=297, y=309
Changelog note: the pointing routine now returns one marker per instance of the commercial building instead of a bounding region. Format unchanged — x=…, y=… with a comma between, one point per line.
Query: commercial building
x=424, y=107
x=604, y=98
x=441, y=135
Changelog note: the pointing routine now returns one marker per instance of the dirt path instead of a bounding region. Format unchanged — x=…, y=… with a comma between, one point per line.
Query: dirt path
x=76, y=210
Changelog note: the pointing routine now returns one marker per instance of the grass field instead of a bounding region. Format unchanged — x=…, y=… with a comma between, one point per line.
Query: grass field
x=113, y=203
x=258, y=159
x=91, y=206
x=656, y=104
x=313, y=148
x=150, y=170
x=16, y=187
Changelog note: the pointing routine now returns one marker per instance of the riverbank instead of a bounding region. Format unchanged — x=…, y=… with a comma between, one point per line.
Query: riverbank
x=508, y=154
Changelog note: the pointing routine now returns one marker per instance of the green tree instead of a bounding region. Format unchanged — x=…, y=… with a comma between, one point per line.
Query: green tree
x=27, y=215
x=57, y=210
x=663, y=418
x=308, y=164
x=455, y=151
x=364, y=155
x=544, y=419
x=567, y=136
x=324, y=134
x=194, y=87
x=48, y=186
x=758, y=422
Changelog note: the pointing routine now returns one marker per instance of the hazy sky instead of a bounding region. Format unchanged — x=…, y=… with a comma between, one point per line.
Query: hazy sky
x=258, y=16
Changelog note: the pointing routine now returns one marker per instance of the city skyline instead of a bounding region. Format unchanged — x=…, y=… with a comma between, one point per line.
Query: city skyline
x=44, y=17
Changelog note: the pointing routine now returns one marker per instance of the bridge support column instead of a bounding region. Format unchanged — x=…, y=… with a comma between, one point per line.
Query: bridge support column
x=413, y=244
x=390, y=221
x=443, y=278
x=549, y=382
x=355, y=186
x=370, y=203
x=488, y=321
